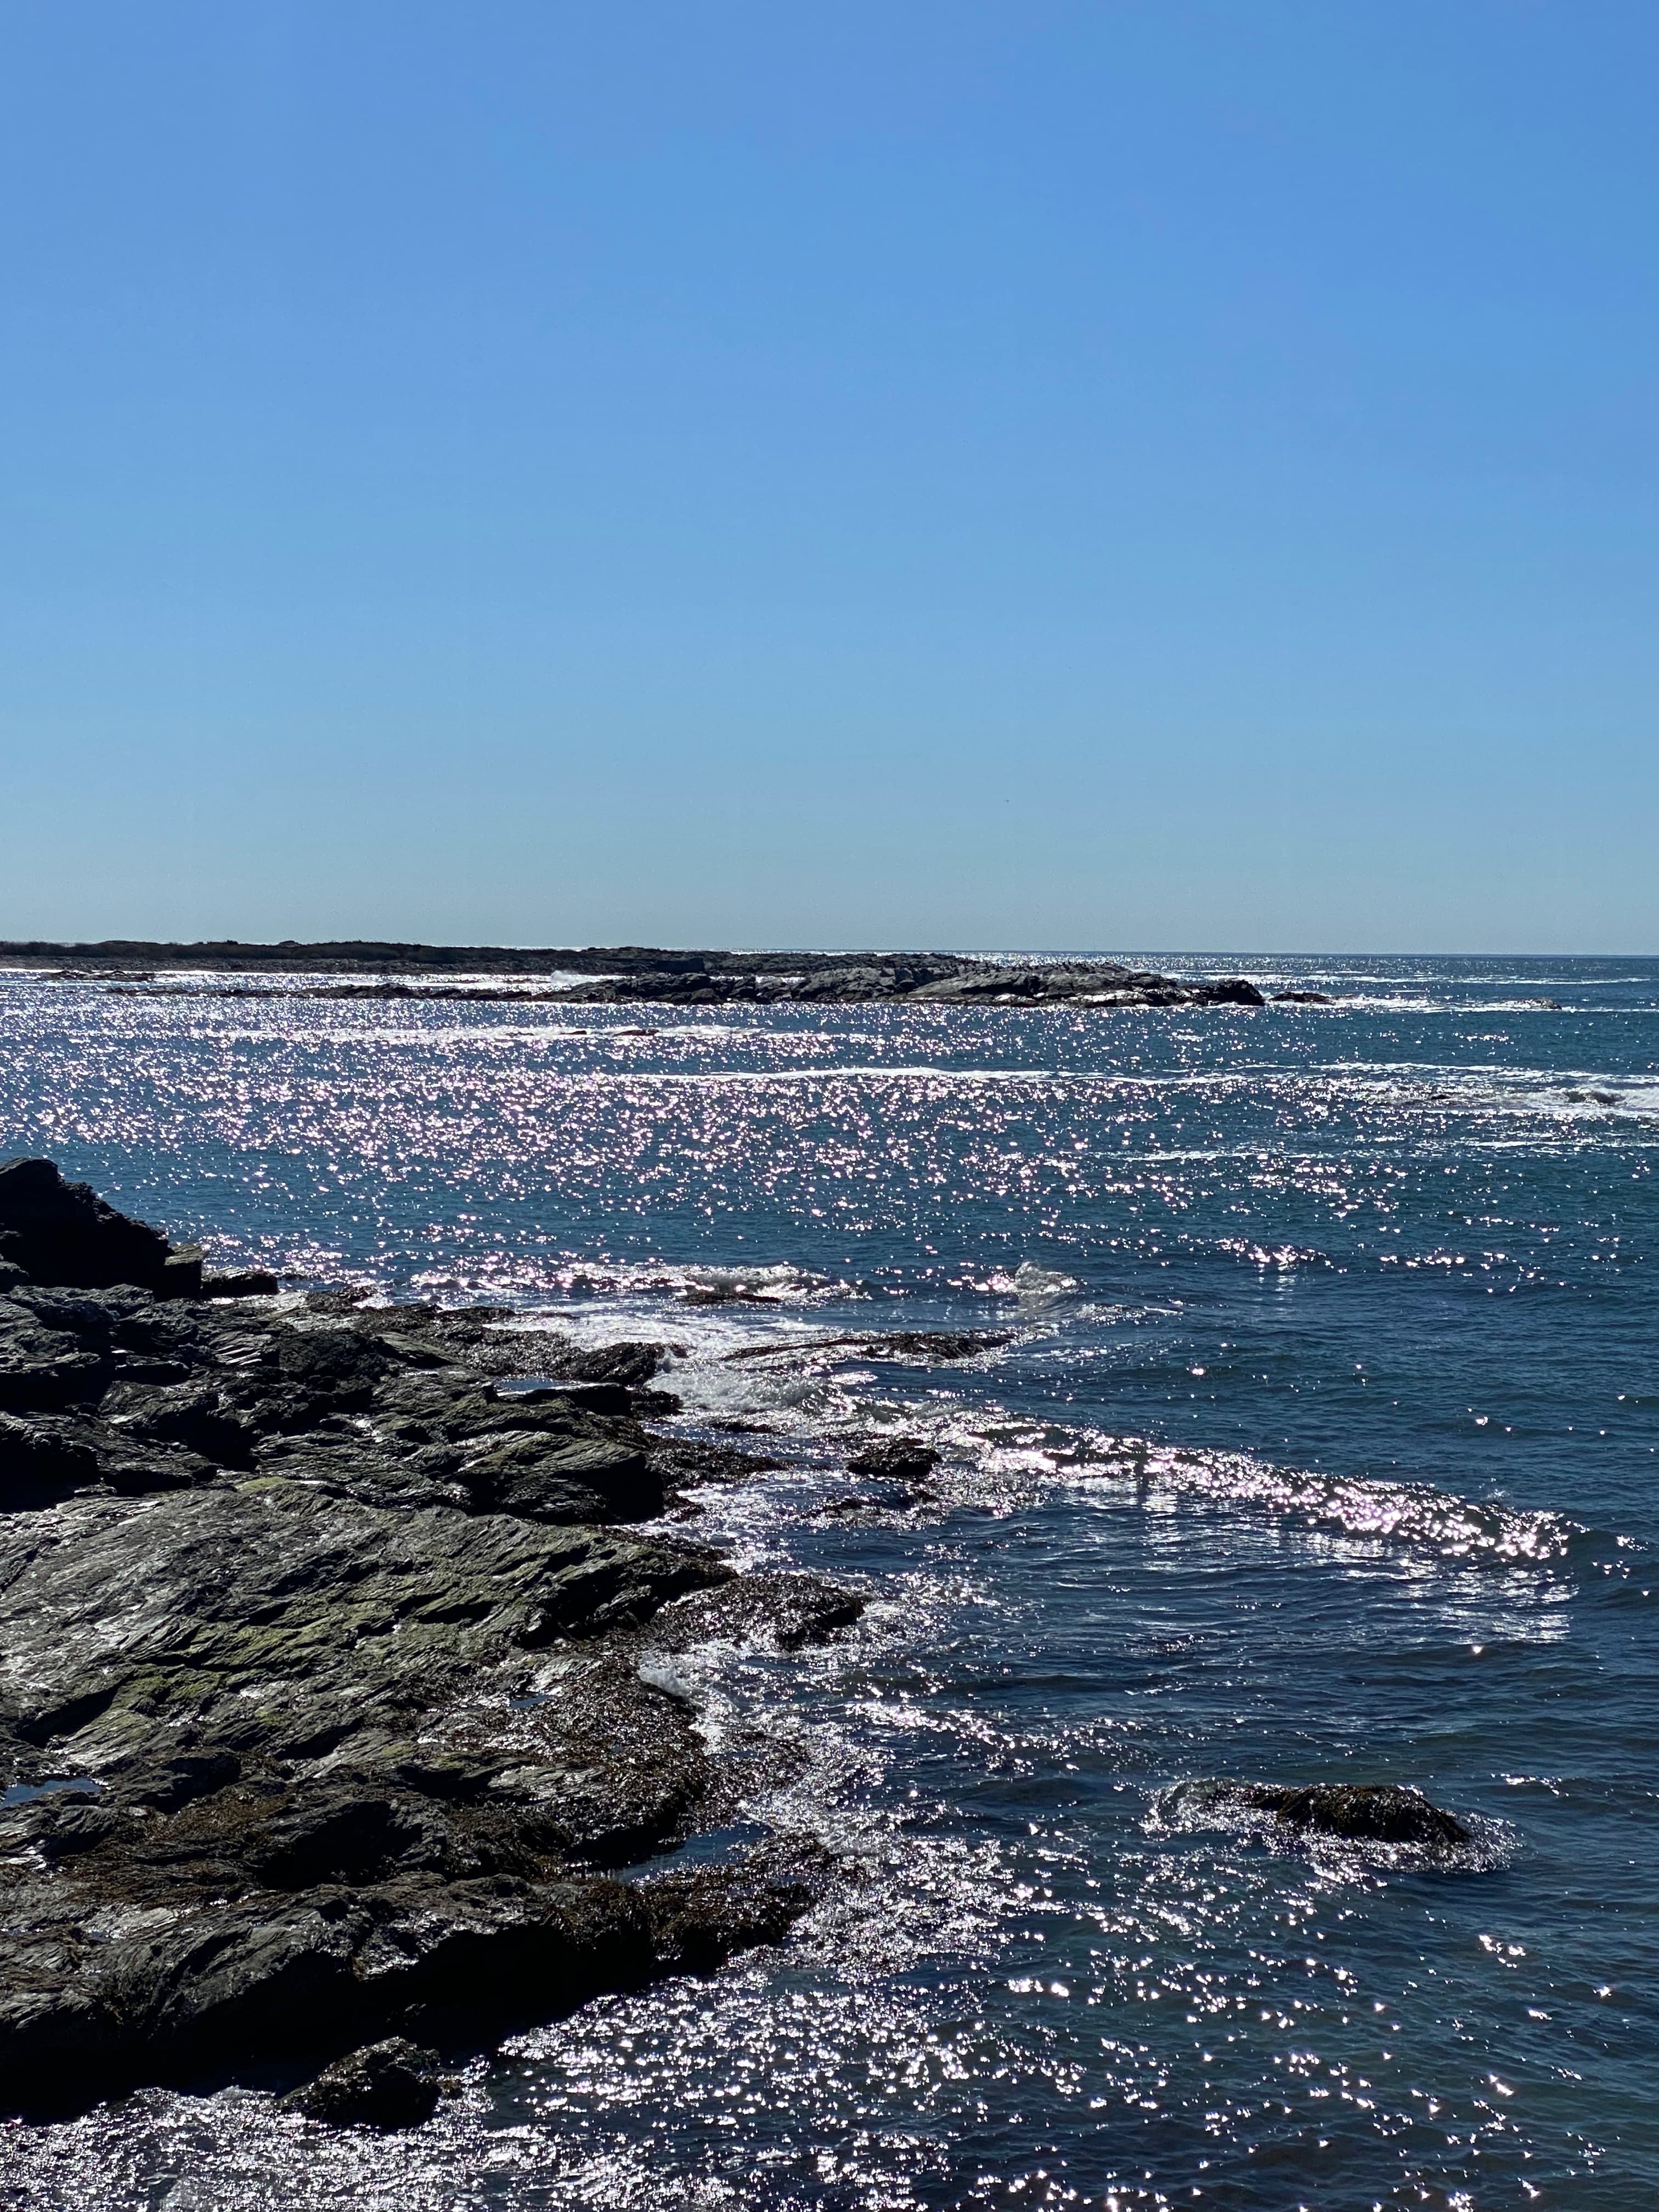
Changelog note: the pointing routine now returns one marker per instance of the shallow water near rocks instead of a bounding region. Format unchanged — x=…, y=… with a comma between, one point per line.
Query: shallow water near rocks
x=1323, y=1447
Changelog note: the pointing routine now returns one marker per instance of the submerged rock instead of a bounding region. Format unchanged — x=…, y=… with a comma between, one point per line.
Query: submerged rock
x=1373, y=1812
x=898, y=1459
x=942, y=1344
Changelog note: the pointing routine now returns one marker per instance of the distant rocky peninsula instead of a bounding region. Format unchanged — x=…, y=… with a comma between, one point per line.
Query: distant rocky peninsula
x=631, y=974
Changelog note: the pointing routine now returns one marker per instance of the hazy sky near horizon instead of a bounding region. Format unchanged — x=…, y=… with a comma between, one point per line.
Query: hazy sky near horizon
x=1031, y=474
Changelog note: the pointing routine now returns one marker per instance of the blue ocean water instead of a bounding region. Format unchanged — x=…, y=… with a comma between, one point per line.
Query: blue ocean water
x=1324, y=1445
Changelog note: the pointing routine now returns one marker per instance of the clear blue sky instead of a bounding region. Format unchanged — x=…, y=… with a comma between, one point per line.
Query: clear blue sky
x=925, y=472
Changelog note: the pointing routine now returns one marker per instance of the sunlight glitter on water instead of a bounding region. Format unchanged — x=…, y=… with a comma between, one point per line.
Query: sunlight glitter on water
x=1321, y=1446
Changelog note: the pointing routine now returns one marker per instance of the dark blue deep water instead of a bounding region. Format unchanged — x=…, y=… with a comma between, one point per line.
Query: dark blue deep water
x=1325, y=1446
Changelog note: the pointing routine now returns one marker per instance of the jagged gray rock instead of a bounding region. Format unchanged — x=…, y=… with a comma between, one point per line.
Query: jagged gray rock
x=321, y=1702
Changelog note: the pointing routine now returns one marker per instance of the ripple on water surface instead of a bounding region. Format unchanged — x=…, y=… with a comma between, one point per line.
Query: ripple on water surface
x=1318, y=1445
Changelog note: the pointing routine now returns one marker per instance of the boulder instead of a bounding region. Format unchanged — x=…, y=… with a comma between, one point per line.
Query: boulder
x=394, y=2084
x=38, y=1463
x=895, y=1458
x=181, y=1273
x=64, y=1232
x=1372, y=1812
x=554, y=1478
x=1368, y=1812
x=196, y=1415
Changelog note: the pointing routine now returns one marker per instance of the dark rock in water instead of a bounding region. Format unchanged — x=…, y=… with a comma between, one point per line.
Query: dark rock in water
x=629, y=1364
x=704, y=1916
x=787, y=1610
x=625, y=972
x=913, y=1346
x=394, y=2084
x=1302, y=999
x=64, y=1232
x=691, y=1460
x=1376, y=1813
x=937, y=1344
x=898, y=1459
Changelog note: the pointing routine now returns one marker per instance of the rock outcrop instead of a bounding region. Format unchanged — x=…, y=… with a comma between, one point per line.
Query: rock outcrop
x=64, y=1233
x=322, y=1719
x=1363, y=1813
x=912, y=979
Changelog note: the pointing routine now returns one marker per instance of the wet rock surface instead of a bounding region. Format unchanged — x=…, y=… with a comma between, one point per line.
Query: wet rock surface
x=1373, y=1812
x=394, y=2084
x=784, y=1610
x=1364, y=1812
x=321, y=1714
x=897, y=1459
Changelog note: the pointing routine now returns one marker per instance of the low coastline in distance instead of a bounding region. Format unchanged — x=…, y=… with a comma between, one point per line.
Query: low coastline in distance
x=631, y=974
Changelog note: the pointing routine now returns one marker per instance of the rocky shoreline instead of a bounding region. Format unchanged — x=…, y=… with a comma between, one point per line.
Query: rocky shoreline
x=338, y=1737
x=630, y=974
x=322, y=1716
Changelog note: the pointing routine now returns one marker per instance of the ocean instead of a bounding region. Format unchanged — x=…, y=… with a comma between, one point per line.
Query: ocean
x=1322, y=1444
